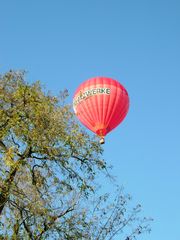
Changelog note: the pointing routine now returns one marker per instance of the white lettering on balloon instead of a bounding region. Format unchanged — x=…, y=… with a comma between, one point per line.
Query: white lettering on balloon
x=89, y=93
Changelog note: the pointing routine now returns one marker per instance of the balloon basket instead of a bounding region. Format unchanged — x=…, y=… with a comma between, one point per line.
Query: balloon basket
x=102, y=141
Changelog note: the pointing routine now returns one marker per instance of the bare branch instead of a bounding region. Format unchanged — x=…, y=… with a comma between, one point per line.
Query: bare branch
x=47, y=226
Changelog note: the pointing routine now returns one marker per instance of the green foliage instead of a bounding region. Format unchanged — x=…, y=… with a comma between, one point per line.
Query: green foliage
x=48, y=171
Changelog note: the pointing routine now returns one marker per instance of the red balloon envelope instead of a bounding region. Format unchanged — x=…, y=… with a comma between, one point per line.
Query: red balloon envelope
x=101, y=104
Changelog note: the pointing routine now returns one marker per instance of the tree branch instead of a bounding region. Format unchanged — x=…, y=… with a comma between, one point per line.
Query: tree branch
x=26, y=227
x=47, y=226
x=2, y=145
x=5, y=190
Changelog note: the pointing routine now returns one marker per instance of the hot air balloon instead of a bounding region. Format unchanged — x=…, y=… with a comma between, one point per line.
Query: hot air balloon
x=101, y=104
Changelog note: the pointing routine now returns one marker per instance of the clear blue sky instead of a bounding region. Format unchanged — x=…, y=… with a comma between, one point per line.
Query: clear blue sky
x=64, y=42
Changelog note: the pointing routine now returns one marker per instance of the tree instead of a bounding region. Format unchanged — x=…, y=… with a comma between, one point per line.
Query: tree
x=48, y=172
